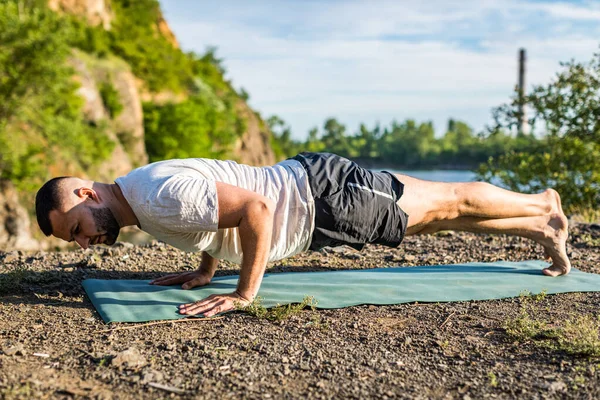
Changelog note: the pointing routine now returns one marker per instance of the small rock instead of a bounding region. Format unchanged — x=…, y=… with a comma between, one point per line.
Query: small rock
x=558, y=386
x=16, y=350
x=130, y=358
x=152, y=376
x=176, y=382
x=11, y=256
x=409, y=257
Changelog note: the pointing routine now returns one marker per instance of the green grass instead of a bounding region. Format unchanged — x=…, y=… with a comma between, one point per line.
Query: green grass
x=493, y=380
x=587, y=215
x=589, y=240
x=279, y=312
x=523, y=328
x=579, y=335
x=526, y=295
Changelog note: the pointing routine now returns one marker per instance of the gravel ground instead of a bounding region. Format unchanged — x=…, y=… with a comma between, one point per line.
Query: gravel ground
x=54, y=345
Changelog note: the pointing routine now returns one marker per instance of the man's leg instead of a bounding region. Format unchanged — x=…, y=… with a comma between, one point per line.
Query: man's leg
x=481, y=207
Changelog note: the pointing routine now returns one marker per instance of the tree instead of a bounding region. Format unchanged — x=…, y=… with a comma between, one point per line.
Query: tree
x=282, y=133
x=335, y=139
x=409, y=144
x=568, y=108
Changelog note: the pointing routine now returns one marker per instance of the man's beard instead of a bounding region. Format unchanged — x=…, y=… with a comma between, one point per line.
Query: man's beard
x=105, y=221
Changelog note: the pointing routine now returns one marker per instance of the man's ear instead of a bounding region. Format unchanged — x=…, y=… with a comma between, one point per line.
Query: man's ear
x=84, y=192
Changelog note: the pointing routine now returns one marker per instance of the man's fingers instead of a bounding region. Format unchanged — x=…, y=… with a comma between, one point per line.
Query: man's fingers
x=217, y=309
x=200, y=281
x=208, y=307
x=198, y=308
x=172, y=279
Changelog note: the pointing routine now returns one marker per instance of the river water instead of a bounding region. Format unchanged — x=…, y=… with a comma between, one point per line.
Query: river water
x=440, y=175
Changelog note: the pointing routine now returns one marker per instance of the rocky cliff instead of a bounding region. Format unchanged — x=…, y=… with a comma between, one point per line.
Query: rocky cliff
x=125, y=130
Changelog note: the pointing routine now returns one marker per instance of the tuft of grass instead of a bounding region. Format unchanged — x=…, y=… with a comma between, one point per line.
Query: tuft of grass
x=589, y=240
x=317, y=322
x=104, y=361
x=524, y=328
x=577, y=336
x=587, y=215
x=526, y=295
x=279, y=312
x=492, y=379
x=580, y=336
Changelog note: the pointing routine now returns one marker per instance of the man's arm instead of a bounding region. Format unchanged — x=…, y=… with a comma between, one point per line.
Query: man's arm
x=189, y=280
x=252, y=214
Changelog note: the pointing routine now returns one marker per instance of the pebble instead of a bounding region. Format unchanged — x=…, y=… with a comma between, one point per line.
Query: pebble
x=130, y=358
x=16, y=350
x=11, y=256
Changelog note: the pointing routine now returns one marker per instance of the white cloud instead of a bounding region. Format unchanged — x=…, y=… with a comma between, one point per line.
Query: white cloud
x=374, y=61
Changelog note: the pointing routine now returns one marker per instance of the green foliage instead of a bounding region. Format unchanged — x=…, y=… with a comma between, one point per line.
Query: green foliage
x=110, y=98
x=278, y=313
x=493, y=379
x=193, y=128
x=41, y=119
x=40, y=112
x=566, y=158
x=526, y=295
x=282, y=143
x=578, y=335
x=524, y=328
x=91, y=39
x=136, y=39
x=413, y=144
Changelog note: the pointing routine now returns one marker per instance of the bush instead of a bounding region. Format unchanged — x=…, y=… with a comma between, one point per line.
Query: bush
x=566, y=159
x=193, y=128
x=110, y=98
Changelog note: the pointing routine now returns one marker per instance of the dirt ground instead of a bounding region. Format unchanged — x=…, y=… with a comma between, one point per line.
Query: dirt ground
x=53, y=344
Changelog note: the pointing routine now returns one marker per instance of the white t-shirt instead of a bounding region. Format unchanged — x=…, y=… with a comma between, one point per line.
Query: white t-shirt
x=176, y=202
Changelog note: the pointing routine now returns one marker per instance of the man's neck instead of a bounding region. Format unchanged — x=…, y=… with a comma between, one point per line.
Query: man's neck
x=119, y=206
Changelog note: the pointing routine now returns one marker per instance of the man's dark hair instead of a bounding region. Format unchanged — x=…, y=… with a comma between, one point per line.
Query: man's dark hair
x=48, y=198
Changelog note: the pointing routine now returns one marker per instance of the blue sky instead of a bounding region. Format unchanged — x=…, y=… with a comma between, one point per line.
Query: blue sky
x=375, y=61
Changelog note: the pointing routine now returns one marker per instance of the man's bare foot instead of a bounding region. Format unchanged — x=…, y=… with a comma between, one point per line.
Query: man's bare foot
x=556, y=233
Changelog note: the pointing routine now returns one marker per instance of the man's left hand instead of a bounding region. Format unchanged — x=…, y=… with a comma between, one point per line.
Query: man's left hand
x=214, y=304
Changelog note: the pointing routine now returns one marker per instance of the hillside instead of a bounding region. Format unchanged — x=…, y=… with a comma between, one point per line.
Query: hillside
x=94, y=88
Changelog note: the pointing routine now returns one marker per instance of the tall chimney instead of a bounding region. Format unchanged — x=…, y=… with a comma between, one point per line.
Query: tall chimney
x=522, y=123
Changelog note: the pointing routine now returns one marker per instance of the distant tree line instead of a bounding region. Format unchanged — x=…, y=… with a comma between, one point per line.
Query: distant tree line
x=408, y=144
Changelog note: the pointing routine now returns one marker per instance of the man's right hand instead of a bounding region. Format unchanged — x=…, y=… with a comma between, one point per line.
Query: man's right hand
x=188, y=280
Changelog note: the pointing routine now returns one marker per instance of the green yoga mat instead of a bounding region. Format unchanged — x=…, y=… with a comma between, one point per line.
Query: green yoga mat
x=137, y=301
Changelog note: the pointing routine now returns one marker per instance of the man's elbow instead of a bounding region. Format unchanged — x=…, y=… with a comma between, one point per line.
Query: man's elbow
x=259, y=211
x=263, y=208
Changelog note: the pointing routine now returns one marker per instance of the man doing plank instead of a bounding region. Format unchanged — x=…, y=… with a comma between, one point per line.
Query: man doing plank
x=254, y=215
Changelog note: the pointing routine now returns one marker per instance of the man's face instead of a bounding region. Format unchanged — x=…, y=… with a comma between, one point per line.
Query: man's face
x=86, y=222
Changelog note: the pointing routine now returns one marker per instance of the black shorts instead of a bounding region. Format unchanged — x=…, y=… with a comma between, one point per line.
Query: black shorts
x=353, y=206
